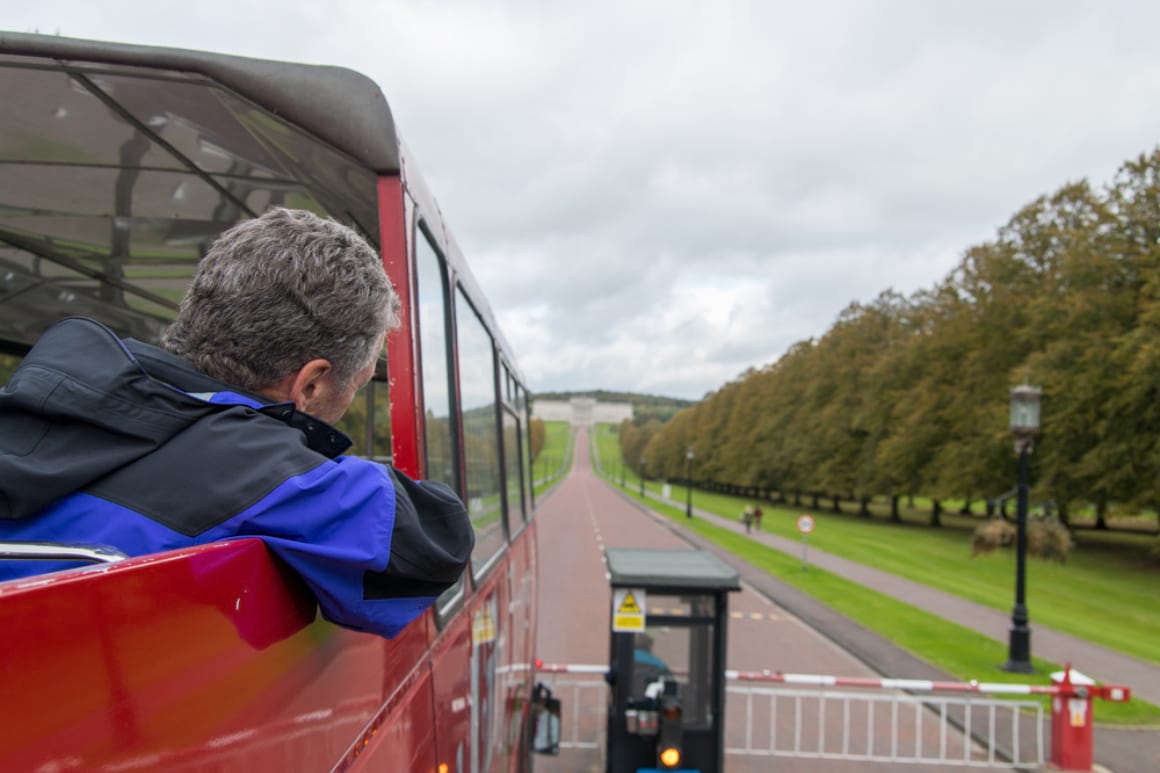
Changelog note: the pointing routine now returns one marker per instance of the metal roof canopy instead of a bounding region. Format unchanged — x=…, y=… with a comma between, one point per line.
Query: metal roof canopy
x=689, y=570
x=120, y=165
x=341, y=106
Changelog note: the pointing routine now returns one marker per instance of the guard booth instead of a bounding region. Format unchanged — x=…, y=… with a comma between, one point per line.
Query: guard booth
x=667, y=660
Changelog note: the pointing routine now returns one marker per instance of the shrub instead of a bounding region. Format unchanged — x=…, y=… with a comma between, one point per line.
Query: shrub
x=995, y=533
x=1048, y=538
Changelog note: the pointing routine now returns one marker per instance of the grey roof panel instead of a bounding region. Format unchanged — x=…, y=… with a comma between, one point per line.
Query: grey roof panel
x=677, y=569
x=339, y=106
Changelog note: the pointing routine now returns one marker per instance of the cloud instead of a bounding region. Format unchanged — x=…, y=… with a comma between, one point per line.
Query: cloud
x=659, y=195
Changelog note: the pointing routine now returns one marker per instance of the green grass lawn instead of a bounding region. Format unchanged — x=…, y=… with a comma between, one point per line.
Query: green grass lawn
x=1097, y=595
x=1092, y=596
x=555, y=458
x=556, y=435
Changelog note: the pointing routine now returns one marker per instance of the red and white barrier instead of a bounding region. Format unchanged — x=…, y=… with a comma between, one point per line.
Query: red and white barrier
x=1071, y=703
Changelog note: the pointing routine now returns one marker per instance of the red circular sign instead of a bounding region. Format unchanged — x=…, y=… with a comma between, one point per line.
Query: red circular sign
x=805, y=524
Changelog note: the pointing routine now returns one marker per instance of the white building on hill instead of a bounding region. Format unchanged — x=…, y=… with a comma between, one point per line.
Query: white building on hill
x=581, y=411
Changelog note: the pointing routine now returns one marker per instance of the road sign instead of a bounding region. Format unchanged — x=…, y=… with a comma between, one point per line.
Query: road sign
x=483, y=626
x=805, y=524
x=628, y=609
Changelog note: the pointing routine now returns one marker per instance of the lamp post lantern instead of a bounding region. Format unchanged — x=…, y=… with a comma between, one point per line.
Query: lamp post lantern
x=1025, y=426
x=689, y=482
x=642, y=464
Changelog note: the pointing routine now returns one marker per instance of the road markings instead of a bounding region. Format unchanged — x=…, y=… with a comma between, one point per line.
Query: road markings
x=769, y=616
x=681, y=612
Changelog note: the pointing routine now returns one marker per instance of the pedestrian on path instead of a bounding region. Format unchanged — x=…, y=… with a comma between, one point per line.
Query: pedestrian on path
x=747, y=517
x=757, y=517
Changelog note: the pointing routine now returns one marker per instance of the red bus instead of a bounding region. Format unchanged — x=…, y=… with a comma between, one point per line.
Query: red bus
x=119, y=164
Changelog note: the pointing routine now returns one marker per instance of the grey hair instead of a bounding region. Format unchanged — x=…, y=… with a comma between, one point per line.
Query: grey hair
x=280, y=290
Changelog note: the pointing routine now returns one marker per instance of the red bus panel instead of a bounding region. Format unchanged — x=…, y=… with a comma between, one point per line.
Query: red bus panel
x=194, y=659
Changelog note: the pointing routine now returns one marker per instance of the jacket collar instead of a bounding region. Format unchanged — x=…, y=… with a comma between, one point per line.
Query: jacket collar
x=164, y=366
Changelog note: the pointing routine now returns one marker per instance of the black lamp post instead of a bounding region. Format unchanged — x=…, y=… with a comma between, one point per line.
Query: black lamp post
x=642, y=463
x=689, y=482
x=1025, y=426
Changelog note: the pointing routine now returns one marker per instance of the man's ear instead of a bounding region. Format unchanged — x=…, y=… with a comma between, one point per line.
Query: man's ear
x=309, y=383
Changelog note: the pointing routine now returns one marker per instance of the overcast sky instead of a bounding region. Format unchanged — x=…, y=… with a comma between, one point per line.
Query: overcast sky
x=658, y=195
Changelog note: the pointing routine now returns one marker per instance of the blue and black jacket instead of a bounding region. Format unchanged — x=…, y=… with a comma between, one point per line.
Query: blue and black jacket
x=119, y=443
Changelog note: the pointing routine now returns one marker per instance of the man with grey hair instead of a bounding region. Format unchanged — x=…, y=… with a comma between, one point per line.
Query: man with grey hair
x=224, y=430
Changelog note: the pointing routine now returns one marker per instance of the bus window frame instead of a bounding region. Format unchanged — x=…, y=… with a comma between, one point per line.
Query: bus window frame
x=510, y=406
x=529, y=468
x=451, y=600
x=424, y=231
x=521, y=519
x=379, y=381
x=479, y=574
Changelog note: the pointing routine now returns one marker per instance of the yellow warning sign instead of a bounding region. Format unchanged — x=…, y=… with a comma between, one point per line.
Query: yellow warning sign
x=483, y=626
x=628, y=609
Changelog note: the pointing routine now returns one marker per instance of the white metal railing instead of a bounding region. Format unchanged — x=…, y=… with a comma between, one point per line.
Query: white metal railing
x=583, y=695
x=879, y=727
x=585, y=703
x=832, y=718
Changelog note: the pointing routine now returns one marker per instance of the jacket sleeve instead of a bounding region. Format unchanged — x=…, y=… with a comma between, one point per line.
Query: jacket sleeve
x=376, y=547
x=431, y=543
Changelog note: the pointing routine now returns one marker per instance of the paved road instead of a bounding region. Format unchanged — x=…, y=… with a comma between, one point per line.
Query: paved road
x=575, y=523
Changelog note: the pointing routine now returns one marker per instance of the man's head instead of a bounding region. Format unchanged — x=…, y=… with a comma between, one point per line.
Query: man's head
x=289, y=305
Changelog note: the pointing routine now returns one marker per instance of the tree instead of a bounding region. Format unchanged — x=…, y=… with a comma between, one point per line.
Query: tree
x=908, y=395
x=538, y=437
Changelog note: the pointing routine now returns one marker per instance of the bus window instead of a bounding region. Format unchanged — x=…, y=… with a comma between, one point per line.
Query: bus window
x=511, y=463
x=440, y=443
x=380, y=422
x=354, y=423
x=525, y=446
x=480, y=436
x=40, y=288
x=367, y=422
x=8, y=363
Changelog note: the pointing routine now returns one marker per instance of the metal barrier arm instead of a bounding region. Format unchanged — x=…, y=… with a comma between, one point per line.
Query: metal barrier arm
x=556, y=668
x=59, y=551
x=1113, y=693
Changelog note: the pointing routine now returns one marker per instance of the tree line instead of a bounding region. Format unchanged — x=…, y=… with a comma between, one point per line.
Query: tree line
x=907, y=395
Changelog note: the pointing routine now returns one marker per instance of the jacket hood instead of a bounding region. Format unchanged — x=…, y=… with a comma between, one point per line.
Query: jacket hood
x=78, y=407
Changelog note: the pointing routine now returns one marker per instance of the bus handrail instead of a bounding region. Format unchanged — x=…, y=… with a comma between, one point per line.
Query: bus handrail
x=59, y=551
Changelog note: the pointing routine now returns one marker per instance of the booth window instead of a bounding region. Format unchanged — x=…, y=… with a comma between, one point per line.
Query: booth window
x=679, y=643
